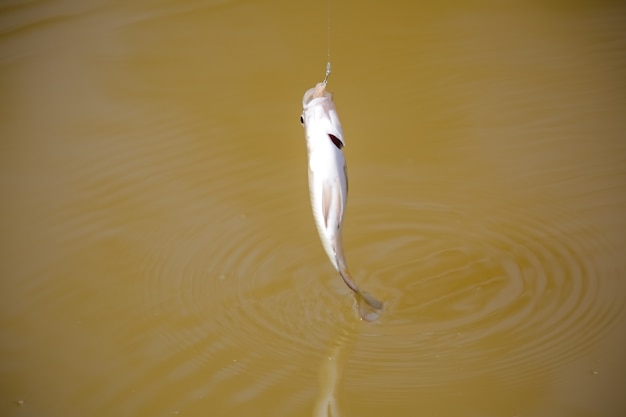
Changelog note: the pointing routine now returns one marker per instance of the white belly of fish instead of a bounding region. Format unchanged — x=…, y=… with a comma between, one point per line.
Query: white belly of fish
x=328, y=189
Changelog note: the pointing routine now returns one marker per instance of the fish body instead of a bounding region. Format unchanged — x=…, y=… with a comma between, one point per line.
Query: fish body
x=328, y=184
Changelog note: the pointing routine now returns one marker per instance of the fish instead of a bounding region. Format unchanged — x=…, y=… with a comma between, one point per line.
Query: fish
x=328, y=185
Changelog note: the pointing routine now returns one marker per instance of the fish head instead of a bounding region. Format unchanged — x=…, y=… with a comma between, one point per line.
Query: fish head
x=319, y=116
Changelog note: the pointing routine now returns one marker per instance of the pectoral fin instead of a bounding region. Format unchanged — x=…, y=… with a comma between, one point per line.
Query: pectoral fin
x=326, y=202
x=336, y=141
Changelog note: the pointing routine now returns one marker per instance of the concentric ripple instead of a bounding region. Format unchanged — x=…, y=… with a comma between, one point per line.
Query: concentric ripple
x=478, y=287
x=469, y=283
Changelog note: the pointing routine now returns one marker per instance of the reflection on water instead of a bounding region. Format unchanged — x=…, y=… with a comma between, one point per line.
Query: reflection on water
x=159, y=255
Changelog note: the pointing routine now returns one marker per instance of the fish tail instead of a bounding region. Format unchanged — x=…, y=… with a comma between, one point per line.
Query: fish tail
x=369, y=306
x=371, y=300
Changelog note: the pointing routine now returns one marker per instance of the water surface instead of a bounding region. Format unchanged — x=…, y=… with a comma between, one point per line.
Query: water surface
x=159, y=256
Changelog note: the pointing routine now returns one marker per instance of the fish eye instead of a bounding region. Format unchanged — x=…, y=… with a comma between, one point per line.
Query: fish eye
x=301, y=120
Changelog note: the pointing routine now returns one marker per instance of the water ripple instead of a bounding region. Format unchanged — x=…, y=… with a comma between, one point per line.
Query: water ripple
x=470, y=284
x=485, y=289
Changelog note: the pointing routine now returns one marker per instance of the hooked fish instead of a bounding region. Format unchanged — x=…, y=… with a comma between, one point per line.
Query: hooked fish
x=328, y=184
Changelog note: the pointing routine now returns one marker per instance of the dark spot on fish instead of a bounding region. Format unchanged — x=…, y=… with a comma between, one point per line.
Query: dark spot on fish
x=301, y=120
x=336, y=141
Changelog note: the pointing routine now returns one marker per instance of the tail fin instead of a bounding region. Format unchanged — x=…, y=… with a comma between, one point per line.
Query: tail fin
x=369, y=307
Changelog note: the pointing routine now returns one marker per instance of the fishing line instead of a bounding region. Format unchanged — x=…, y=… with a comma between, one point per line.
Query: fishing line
x=328, y=44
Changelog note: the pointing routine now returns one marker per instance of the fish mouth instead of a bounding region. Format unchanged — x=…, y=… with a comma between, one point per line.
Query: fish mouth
x=319, y=91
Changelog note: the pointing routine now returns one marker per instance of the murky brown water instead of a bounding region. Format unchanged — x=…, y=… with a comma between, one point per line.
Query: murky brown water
x=159, y=256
